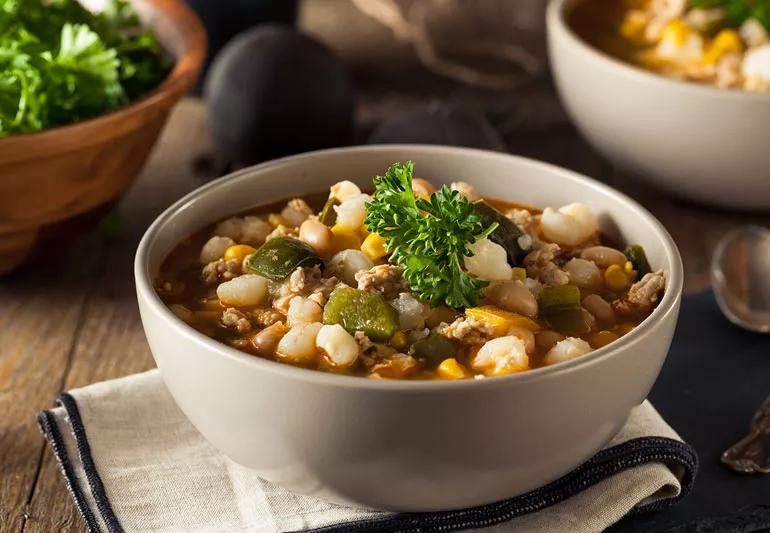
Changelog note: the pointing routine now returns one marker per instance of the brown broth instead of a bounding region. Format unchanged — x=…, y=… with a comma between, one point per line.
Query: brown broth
x=597, y=23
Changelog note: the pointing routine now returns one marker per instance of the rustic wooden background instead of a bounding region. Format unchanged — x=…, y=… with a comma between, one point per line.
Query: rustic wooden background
x=70, y=318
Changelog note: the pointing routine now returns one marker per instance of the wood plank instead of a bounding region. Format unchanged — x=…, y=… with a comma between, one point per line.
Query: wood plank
x=111, y=342
x=41, y=310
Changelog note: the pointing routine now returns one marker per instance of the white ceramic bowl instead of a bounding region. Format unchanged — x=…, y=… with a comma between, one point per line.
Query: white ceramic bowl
x=707, y=144
x=405, y=445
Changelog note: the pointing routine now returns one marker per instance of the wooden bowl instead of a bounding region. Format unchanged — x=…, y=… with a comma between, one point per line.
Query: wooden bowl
x=55, y=174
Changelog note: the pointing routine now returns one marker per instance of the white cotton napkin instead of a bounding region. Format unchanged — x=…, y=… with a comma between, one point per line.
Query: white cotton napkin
x=133, y=462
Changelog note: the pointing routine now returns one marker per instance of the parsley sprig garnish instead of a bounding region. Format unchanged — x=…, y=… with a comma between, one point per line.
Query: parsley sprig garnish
x=428, y=238
x=738, y=11
x=60, y=63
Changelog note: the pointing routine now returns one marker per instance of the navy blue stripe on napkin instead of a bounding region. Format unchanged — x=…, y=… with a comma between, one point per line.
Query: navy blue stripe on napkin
x=605, y=464
x=51, y=432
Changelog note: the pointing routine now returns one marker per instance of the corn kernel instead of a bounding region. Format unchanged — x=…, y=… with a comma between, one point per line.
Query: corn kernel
x=601, y=338
x=634, y=25
x=629, y=267
x=344, y=238
x=500, y=320
x=374, y=247
x=451, y=369
x=276, y=220
x=519, y=273
x=239, y=252
x=726, y=42
x=398, y=340
x=615, y=278
x=677, y=30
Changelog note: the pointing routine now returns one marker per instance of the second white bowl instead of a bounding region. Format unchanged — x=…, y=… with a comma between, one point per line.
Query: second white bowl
x=703, y=143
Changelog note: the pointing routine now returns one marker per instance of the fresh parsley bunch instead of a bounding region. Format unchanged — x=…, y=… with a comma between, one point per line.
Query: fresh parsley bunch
x=428, y=238
x=738, y=11
x=60, y=63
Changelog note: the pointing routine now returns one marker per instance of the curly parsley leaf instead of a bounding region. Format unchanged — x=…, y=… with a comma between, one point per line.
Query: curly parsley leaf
x=738, y=11
x=428, y=238
x=61, y=63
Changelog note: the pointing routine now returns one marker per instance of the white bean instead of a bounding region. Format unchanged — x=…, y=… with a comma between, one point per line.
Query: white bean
x=583, y=273
x=567, y=349
x=600, y=308
x=344, y=189
x=345, y=264
x=303, y=311
x=352, y=212
x=215, y=248
x=243, y=291
x=230, y=227
x=500, y=356
x=513, y=296
x=340, y=347
x=266, y=341
x=588, y=319
x=317, y=235
x=255, y=230
x=489, y=261
x=604, y=256
x=298, y=345
x=569, y=225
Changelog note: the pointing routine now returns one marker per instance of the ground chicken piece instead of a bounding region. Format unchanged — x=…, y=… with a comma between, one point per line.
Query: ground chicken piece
x=232, y=318
x=465, y=189
x=281, y=303
x=309, y=282
x=523, y=219
x=266, y=317
x=396, y=366
x=303, y=277
x=642, y=295
x=221, y=270
x=321, y=294
x=540, y=265
x=363, y=341
x=728, y=72
x=384, y=279
x=282, y=231
x=466, y=330
x=645, y=292
x=542, y=253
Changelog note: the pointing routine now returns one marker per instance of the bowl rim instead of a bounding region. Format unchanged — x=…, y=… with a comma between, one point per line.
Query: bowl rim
x=146, y=292
x=180, y=79
x=556, y=22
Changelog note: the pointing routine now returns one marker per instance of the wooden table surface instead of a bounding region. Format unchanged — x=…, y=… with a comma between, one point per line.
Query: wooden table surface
x=71, y=319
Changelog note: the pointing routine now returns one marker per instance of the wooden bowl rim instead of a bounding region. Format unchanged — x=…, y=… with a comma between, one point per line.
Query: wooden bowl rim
x=101, y=128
